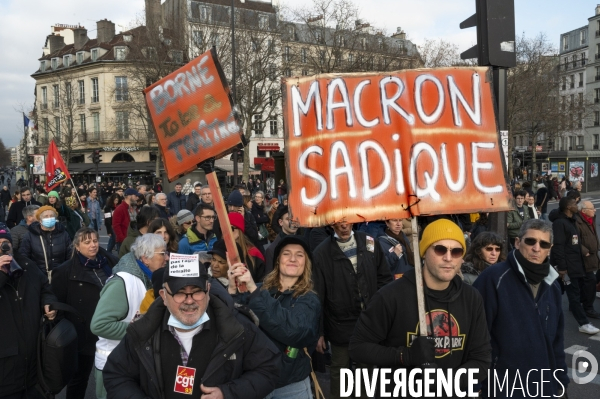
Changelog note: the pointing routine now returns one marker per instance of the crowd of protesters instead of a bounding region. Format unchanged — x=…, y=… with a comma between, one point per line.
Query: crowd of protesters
x=342, y=295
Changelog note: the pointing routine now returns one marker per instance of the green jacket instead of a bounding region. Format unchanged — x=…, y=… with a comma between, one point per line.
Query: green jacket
x=113, y=305
x=515, y=221
x=132, y=234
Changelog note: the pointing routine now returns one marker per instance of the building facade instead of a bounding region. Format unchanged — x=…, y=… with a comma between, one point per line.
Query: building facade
x=84, y=101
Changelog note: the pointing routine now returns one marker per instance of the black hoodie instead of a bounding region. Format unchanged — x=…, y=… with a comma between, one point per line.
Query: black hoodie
x=391, y=321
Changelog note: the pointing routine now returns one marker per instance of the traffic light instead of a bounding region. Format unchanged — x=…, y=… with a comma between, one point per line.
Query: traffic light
x=96, y=157
x=495, y=22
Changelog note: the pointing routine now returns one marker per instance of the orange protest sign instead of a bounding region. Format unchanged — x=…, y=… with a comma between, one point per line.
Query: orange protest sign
x=367, y=146
x=192, y=114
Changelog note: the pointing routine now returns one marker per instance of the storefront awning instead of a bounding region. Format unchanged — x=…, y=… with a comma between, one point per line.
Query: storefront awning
x=268, y=147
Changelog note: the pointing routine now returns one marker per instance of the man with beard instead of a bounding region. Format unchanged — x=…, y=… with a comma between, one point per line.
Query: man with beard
x=523, y=309
x=188, y=345
x=387, y=333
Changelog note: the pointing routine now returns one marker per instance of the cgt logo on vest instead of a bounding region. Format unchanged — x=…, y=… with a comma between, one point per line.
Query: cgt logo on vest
x=447, y=336
x=184, y=380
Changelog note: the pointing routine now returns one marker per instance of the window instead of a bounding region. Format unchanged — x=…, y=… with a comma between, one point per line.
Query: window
x=287, y=72
x=596, y=118
x=582, y=36
x=581, y=79
x=82, y=124
x=596, y=95
x=96, y=119
x=127, y=38
x=197, y=38
x=571, y=143
x=95, y=55
x=120, y=53
x=70, y=126
x=215, y=39
x=263, y=22
x=318, y=37
x=564, y=82
x=42, y=66
x=579, y=140
x=205, y=13
x=121, y=91
x=583, y=58
x=363, y=43
x=380, y=43
x=565, y=43
x=79, y=57
x=122, y=124
x=56, y=93
x=303, y=56
x=272, y=96
x=572, y=81
x=286, y=53
x=596, y=141
x=350, y=58
x=291, y=29
x=257, y=124
x=151, y=53
x=81, y=90
x=66, y=61
x=68, y=93
x=44, y=97
x=57, y=134
x=305, y=72
x=177, y=56
x=95, y=92
x=272, y=72
x=46, y=130
x=273, y=127
x=54, y=63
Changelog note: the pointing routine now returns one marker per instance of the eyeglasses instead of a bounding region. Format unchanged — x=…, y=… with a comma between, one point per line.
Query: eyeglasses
x=181, y=297
x=164, y=253
x=441, y=250
x=492, y=249
x=530, y=241
x=209, y=217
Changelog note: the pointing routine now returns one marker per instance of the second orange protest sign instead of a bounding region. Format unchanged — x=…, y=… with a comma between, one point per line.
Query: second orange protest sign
x=192, y=114
x=368, y=146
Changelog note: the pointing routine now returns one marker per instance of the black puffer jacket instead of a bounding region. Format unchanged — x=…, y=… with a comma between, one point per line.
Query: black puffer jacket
x=566, y=251
x=244, y=362
x=343, y=292
x=57, y=243
x=80, y=286
x=20, y=316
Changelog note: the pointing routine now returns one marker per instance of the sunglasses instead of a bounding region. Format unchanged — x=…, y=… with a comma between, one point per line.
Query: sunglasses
x=490, y=249
x=441, y=250
x=530, y=241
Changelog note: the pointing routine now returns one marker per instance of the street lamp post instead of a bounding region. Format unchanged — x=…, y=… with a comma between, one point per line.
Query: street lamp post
x=235, y=153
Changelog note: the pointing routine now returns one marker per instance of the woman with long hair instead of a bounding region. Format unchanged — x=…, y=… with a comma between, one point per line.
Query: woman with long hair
x=111, y=204
x=163, y=228
x=253, y=258
x=15, y=198
x=288, y=311
x=485, y=250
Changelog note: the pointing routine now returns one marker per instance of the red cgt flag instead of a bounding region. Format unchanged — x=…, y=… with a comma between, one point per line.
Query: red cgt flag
x=56, y=170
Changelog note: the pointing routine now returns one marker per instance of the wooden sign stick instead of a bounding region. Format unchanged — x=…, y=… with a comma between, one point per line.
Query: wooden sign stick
x=211, y=177
x=419, y=278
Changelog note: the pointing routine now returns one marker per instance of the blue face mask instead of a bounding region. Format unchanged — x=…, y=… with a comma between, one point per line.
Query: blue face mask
x=173, y=322
x=49, y=222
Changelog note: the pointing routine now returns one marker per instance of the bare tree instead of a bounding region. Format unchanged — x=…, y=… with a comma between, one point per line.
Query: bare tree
x=437, y=53
x=534, y=108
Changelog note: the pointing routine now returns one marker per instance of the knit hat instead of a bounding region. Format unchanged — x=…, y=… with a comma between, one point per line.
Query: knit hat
x=235, y=199
x=5, y=232
x=184, y=216
x=53, y=194
x=441, y=229
x=43, y=209
x=237, y=221
x=130, y=191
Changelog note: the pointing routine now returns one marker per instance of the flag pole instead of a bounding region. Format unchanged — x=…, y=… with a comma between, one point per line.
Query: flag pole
x=76, y=195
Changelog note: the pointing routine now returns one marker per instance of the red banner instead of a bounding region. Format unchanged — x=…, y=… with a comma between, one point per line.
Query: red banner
x=56, y=170
x=192, y=113
x=369, y=146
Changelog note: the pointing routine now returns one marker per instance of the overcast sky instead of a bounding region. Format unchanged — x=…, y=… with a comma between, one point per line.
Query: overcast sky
x=24, y=25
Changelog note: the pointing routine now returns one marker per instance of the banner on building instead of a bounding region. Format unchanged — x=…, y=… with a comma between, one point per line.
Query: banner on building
x=39, y=165
x=192, y=113
x=367, y=146
x=56, y=170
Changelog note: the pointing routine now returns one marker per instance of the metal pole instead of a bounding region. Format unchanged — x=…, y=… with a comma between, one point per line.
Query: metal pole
x=235, y=154
x=498, y=220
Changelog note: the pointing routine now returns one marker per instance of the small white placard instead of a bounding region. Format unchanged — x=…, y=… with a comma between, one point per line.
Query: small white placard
x=107, y=215
x=181, y=265
x=507, y=46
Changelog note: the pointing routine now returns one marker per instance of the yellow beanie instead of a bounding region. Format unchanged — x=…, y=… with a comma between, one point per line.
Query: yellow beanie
x=441, y=229
x=44, y=209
